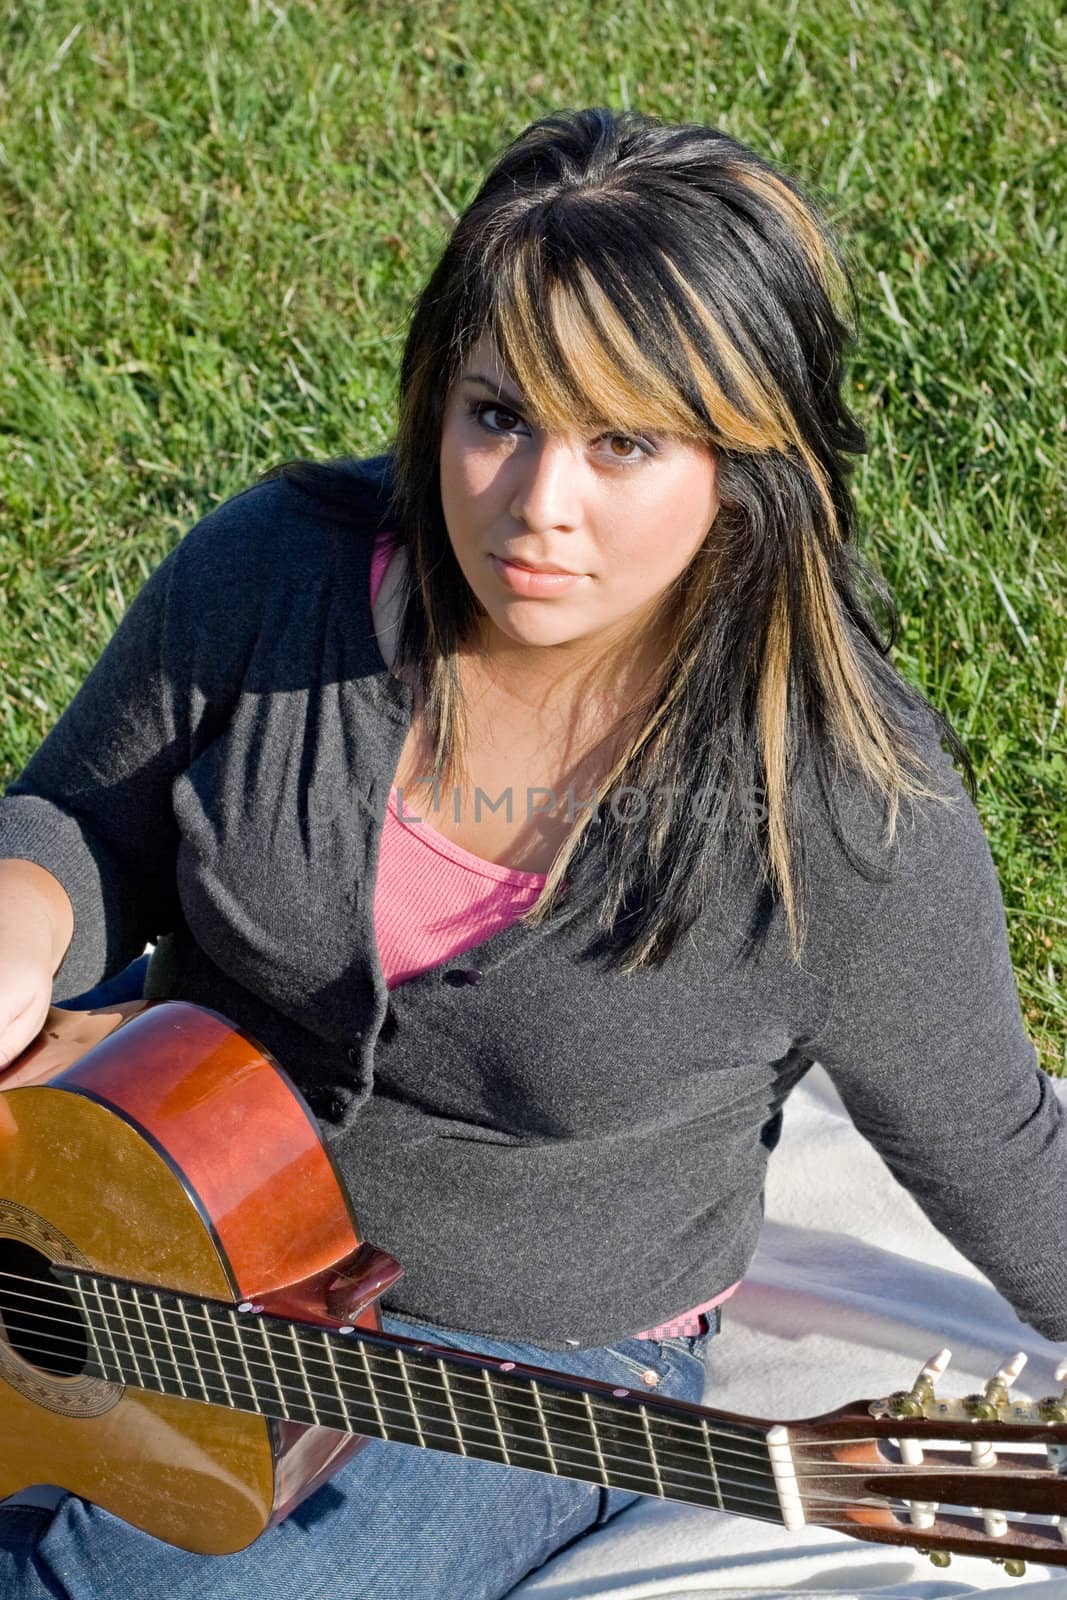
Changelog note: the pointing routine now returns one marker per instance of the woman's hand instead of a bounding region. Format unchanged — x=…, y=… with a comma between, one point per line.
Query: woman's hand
x=25, y=997
x=36, y=923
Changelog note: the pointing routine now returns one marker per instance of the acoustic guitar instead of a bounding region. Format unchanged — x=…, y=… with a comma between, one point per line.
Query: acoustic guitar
x=183, y=1345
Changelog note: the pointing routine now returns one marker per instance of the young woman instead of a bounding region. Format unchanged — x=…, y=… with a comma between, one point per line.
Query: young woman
x=544, y=798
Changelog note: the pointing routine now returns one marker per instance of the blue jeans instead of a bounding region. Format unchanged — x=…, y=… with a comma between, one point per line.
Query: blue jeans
x=125, y=985
x=396, y=1523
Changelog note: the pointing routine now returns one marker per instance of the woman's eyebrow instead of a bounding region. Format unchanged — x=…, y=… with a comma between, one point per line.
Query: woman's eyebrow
x=503, y=395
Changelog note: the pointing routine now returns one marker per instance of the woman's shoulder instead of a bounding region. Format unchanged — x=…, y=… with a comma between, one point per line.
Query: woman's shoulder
x=934, y=853
x=254, y=578
x=277, y=530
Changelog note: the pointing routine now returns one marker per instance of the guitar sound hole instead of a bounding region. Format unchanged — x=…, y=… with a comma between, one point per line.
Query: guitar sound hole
x=39, y=1318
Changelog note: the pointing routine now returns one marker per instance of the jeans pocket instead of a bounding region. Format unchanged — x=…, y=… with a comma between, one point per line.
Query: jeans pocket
x=677, y=1363
x=643, y=1357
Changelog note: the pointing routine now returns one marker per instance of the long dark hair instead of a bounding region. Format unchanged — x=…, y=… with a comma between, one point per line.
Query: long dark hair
x=665, y=276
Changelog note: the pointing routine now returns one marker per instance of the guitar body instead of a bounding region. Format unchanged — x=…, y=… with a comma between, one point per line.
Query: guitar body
x=205, y=1174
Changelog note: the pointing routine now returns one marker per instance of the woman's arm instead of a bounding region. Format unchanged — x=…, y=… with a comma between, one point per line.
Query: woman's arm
x=30, y=894
x=36, y=924
x=927, y=1047
x=92, y=809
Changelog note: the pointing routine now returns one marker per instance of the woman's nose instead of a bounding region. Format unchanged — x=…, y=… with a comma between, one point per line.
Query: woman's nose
x=547, y=490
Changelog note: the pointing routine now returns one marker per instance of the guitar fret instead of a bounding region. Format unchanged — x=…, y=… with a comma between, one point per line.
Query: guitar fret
x=216, y=1351
x=371, y=1389
x=263, y=1337
x=95, y=1285
x=97, y=1352
x=239, y=1341
x=569, y=1425
x=335, y=1376
x=171, y=1352
x=295, y=1338
x=496, y=1416
x=544, y=1425
x=160, y=1383
x=134, y=1362
x=711, y=1464
x=194, y=1351
x=411, y=1397
x=451, y=1406
x=652, y=1451
x=596, y=1439
x=223, y=1374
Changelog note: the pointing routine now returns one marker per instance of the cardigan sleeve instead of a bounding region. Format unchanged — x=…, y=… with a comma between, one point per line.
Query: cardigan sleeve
x=926, y=1045
x=93, y=803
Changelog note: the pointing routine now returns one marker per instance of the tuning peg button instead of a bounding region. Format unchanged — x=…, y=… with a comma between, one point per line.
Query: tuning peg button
x=914, y=1401
x=932, y=1370
x=998, y=1388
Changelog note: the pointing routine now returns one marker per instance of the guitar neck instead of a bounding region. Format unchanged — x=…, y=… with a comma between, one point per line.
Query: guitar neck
x=388, y=1387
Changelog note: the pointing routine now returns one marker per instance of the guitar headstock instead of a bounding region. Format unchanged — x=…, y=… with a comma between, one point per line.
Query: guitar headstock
x=982, y=1475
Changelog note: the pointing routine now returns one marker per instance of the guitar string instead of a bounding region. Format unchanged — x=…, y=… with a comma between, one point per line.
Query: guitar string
x=746, y=1504
x=814, y=1500
x=518, y=1444
x=219, y=1336
x=817, y=1500
x=847, y=1473
x=457, y=1376
x=309, y=1329
x=476, y=1392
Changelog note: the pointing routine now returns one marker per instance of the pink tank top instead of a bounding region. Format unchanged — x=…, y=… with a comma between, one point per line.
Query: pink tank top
x=433, y=900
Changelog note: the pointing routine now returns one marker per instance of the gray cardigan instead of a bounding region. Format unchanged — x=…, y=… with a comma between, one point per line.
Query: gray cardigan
x=554, y=1151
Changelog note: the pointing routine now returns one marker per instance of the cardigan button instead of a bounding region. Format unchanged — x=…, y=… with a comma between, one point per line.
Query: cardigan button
x=461, y=975
x=324, y=1100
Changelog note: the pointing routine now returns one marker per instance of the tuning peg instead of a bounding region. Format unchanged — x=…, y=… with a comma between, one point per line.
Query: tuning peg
x=913, y=1402
x=940, y=1558
x=932, y=1370
x=1054, y=1407
x=998, y=1388
x=987, y=1407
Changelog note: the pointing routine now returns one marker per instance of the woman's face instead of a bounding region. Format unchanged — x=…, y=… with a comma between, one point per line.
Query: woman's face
x=626, y=513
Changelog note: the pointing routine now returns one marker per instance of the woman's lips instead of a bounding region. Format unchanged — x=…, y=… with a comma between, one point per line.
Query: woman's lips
x=521, y=580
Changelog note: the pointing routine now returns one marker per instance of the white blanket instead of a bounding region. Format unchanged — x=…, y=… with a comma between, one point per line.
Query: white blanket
x=852, y=1290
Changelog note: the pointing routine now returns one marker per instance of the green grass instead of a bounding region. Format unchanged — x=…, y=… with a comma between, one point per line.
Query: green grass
x=214, y=218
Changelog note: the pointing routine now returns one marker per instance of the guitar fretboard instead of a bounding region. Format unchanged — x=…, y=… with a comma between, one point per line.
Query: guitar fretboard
x=385, y=1388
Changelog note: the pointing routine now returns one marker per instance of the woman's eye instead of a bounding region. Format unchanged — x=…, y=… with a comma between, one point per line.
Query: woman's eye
x=498, y=420
x=628, y=440
x=481, y=409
